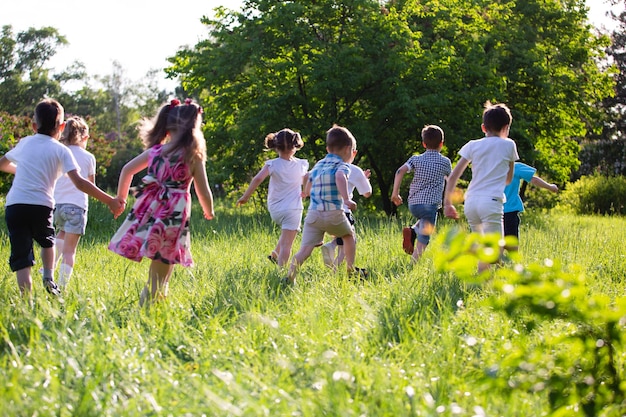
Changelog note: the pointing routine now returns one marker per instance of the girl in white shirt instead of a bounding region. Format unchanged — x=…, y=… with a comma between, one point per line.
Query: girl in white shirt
x=71, y=204
x=284, y=199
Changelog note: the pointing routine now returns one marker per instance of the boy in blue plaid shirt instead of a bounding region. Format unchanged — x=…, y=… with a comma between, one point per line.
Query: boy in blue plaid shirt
x=430, y=171
x=327, y=186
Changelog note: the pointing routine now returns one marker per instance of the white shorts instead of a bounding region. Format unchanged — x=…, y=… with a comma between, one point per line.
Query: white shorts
x=484, y=215
x=288, y=219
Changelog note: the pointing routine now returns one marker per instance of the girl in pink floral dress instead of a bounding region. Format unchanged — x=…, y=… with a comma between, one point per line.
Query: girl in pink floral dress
x=158, y=225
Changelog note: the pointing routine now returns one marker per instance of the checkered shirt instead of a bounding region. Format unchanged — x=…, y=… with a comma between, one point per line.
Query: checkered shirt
x=324, y=193
x=429, y=172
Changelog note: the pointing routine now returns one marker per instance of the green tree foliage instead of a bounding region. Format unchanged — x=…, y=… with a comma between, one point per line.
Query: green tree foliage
x=385, y=69
x=24, y=79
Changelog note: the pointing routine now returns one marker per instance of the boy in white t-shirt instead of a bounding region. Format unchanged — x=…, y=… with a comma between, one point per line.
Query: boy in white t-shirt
x=37, y=162
x=492, y=159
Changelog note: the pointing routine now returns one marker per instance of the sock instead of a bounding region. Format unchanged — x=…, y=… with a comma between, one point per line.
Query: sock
x=58, y=246
x=65, y=273
x=48, y=274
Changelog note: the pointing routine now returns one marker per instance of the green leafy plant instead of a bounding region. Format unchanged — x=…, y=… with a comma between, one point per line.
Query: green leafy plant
x=575, y=357
x=596, y=194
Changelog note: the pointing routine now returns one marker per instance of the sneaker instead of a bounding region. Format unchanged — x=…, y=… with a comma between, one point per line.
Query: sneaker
x=51, y=287
x=272, y=259
x=327, y=254
x=408, y=240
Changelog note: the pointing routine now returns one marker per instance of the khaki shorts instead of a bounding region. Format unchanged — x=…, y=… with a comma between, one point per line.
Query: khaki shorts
x=317, y=223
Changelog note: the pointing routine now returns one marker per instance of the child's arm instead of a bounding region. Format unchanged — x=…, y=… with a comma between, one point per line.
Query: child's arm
x=203, y=190
x=115, y=205
x=448, y=208
x=539, y=182
x=7, y=166
x=256, y=181
x=128, y=171
x=342, y=187
x=397, y=180
x=307, y=187
x=509, y=175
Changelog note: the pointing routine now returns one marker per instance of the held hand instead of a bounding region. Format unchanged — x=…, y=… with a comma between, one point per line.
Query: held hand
x=117, y=207
x=450, y=212
x=396, y=199
x=351, y=205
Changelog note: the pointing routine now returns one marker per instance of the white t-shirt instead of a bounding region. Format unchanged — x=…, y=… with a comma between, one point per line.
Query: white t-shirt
x=490, y=158
x=285, y=188
x=358, y=180
x=65, y=192
x=40, y=161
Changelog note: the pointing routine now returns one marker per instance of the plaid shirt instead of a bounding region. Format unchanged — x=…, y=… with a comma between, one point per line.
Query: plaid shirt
x=324, y=193
x=430, y=170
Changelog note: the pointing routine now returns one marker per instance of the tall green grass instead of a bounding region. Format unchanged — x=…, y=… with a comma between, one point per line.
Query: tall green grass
x=232, y=341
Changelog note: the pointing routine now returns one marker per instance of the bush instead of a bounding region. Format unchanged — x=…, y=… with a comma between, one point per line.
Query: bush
x=596, y=194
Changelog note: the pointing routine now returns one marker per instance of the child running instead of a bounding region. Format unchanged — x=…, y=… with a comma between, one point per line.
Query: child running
x=359, y=180
x=157, y=227
x=284, y=197
x=492, y=159
x=328, y=187
x=37, y=162
x=71, y=204
x=425, y=192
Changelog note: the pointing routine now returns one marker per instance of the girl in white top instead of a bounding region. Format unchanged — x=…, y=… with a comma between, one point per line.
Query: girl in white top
x=284, y=199
x=71, y=204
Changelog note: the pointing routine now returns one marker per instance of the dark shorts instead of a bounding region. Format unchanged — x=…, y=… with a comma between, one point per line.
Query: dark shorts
x=511, y=224
x=27, y=223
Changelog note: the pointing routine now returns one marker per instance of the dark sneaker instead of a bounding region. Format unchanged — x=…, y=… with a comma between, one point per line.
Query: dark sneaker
x=272, y=259
x=51, y=287
x=360, y=273
x=408, y=240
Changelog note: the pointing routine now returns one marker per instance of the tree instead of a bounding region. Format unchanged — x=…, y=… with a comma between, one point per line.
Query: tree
x=24, y=79
x=384, y=71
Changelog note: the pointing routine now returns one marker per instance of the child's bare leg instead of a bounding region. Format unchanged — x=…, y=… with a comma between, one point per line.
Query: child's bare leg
x=285, y=242
x=349, y=250
x=159, y=276
x=417, y=252
x=47, y=258
x=298, y=259
x=24, y=281
x=66, y=268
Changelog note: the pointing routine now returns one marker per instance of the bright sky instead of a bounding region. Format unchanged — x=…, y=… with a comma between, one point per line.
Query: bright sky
x=139, y=34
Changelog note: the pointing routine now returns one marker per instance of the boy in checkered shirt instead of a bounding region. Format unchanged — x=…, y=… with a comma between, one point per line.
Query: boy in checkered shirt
x=327, y=186
x=430, y=171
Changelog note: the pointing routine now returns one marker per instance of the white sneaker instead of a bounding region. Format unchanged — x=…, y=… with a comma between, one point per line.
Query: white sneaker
x=327, y=255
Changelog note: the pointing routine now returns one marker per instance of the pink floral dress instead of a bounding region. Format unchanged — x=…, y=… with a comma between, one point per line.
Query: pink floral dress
x=157, y=227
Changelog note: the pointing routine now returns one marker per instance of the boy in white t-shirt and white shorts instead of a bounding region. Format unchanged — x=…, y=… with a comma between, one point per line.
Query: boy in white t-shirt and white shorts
x=492, y=159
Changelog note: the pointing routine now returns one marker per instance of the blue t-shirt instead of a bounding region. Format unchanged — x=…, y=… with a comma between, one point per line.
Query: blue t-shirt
x=513, y=201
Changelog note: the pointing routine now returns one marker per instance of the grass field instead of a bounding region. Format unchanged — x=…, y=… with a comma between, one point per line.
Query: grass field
x=231, y=341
